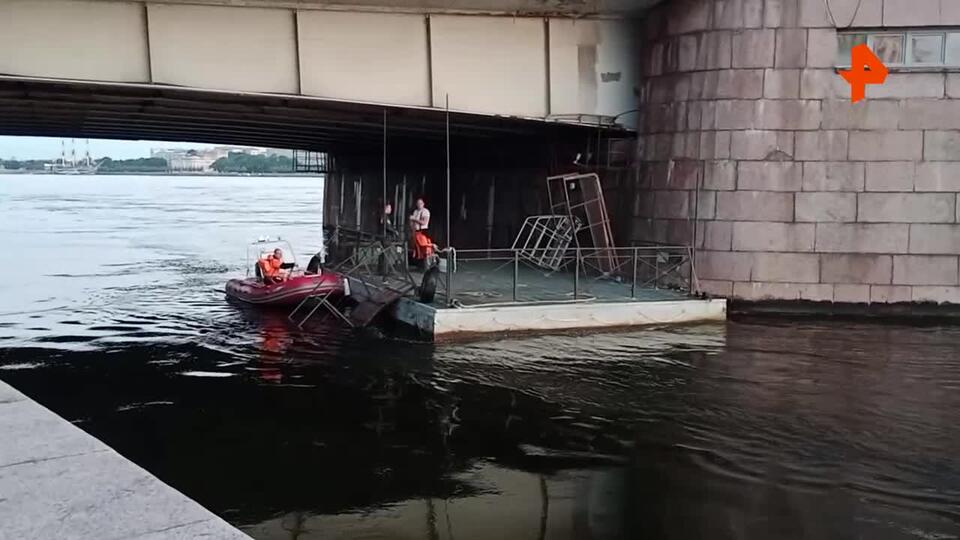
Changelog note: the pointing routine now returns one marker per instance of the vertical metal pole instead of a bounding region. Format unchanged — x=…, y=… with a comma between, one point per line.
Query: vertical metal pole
x=633, y=284
x=403, y=226
x=696, y=222
x=396, y=201
x=449, y=242
x=692, y=282
x=340, y=207
x=516, y=272
x=397, y=214
x=358, y=191
x=451, y=265
x=429, y=34
x=656, y=272
x=491, y=200
x=576, y=277
x=383, y=200
x=608, y=158
x=597, y=157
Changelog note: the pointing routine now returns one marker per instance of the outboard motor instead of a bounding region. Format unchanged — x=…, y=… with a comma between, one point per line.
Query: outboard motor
x=313, y=267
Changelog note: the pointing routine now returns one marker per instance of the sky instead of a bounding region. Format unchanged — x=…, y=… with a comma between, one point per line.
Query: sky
x=49, y=147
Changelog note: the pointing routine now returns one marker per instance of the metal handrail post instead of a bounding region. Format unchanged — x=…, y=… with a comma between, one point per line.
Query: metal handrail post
x=516, y=272
x=633, y=283
x=451, y=264
x=656, y=271
x=576, y=276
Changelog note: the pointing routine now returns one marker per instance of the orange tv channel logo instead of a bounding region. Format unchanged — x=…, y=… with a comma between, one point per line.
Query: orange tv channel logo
x=865, y=68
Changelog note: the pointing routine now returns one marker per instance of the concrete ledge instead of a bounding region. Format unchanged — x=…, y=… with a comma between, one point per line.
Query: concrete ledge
x=905, y=311
x=56, y=481
x=449, y=323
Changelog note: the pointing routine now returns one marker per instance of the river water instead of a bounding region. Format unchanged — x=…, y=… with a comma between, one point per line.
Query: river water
x=111, y=315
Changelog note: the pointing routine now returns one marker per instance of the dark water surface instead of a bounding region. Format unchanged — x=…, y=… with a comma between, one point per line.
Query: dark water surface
x=753, y=429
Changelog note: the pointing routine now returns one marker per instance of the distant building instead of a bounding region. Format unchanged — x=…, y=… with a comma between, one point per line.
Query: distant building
x=270, y=152
x=201, y=160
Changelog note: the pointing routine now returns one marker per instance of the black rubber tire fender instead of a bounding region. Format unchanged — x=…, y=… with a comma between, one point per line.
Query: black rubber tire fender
x=428, y=286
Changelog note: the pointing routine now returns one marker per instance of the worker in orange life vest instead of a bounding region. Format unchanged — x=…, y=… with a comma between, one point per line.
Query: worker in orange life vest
x=271, y=267
x=419, y=223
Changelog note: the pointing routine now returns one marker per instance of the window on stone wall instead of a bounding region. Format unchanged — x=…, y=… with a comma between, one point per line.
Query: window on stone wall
x=846, y=43
x=906, y=48
x=953, y=49
x=925, y=49
x=887, y=47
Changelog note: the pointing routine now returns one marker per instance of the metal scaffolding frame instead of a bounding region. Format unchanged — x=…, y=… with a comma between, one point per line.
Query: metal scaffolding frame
x=543, y=240
x=309, y=161
x=580, y=197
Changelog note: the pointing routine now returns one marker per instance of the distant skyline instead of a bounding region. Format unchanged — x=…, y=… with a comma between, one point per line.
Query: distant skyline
x=49, y=147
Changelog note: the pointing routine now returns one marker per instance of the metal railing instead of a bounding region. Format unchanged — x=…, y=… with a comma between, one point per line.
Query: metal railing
x=504, y=276
x=370, y=256
x=500, y=276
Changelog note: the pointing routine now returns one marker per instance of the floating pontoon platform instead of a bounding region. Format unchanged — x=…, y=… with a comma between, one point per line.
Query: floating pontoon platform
x=495, y=297
x=453, y=323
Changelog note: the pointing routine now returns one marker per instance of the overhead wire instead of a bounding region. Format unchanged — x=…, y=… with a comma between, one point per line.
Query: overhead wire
x=833, y=20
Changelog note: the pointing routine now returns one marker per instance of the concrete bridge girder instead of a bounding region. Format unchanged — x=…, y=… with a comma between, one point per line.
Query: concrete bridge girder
x=557, y=8
x=531, y=67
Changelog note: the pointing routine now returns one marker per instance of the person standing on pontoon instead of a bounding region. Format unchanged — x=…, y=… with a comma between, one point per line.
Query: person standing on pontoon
x=419, y=223
x=386, y=220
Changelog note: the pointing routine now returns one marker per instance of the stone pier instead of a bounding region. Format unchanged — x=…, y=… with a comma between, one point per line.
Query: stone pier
x=799, y=193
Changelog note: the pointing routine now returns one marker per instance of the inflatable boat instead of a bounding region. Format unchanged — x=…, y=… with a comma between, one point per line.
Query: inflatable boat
x=286, y=293
x=297, y=285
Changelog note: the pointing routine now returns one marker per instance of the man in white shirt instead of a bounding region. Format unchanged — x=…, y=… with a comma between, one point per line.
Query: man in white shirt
x=420, y=219
x=419, y=223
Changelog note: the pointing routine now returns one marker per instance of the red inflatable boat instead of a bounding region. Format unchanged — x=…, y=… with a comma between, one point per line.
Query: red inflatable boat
x=286, y=293
x=297, y=286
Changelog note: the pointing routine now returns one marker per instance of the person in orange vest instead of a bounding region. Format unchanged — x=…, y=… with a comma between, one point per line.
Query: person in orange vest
x=419, y=223
x=271, y=267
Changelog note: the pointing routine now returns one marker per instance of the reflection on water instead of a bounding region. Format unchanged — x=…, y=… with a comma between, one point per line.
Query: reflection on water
x=512, y=504
x=753, y=429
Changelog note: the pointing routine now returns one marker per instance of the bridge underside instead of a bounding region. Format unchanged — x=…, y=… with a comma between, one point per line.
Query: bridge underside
x=112, y=111
x=531, y=94
x=514, y=154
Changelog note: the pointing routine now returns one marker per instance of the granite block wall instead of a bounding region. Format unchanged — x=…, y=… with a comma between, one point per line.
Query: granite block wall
x=749, y=144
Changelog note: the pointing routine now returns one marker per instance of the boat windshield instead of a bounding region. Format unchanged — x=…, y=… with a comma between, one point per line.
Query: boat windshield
x=263, y=247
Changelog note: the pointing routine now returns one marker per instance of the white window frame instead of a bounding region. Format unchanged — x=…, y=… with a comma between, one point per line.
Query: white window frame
x=904, y=39
x=906, y=36
x=908, y=50
x=846, y=64
x=945, y=40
